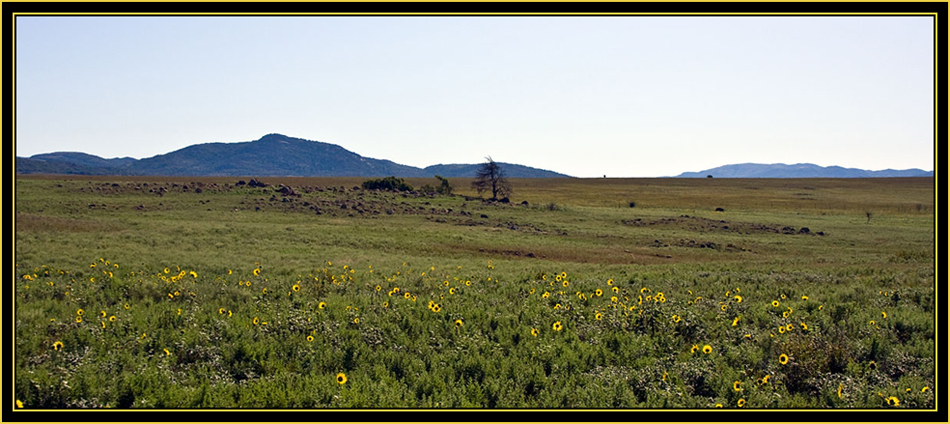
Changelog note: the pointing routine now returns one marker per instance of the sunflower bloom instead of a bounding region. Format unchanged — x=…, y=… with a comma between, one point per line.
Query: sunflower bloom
x=783, y=359
x=57, y=345
x=741, y=403
x=737, y=386
x=295, y=287
x=707, y=349
x=557, y=326
x=341, y=378
x=534, y=332
x=459, y=323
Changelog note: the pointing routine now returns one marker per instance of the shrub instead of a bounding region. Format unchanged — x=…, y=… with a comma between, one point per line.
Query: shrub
x=389, y=183
x=445, y=188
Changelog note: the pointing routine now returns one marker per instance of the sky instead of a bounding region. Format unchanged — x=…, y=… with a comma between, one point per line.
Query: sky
x=621, y=96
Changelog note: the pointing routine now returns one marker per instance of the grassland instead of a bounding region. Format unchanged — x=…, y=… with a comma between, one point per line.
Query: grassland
x=252, y=298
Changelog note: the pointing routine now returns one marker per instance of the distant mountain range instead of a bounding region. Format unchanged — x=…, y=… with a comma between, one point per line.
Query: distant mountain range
x=799, y=170
x=272, y=155
x=279, y=155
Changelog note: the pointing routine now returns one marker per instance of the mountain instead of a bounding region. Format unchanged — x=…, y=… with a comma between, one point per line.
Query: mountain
x=272, y=155
x=56, y=166
x=799, y=170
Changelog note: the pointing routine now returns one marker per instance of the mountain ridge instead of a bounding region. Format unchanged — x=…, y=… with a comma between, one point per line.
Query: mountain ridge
x=271, y=155
x=799, y=170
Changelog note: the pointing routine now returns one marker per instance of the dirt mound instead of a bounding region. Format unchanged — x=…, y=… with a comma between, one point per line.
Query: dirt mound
x=702, y=225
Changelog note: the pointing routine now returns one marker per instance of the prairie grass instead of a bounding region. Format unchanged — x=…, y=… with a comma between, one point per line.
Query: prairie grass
x=239, y=297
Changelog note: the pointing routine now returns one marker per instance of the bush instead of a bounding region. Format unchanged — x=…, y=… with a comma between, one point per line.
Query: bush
x=388, y=183
x=445, y=188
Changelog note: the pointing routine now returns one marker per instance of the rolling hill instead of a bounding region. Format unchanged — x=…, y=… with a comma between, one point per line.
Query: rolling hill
x=272, y=155
x=799, y=170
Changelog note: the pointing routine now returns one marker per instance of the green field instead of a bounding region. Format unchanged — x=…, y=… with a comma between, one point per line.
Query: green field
x=149, y=292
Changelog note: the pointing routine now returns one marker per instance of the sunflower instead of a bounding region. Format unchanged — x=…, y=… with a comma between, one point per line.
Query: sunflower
x=407, y=295
x=436, y=308
x=872, y=322
x=694, y=349
x=459, y=323
x=789, y=327
x=257, y=272
x=341, y=378
x=741, y=403
x=80, y=312
x=737, y=386
x=309, y=338
x=534, y=332
x=707, y=349
x=615, y=289
x=738, y=298
x=613, y=299
x=884, y=314
x=598, y=316
x=718, y=405
x=112, y=318
x=295, y=287
x=676, y=318
x=557, y=326
x=78, y=318
x=256, y=320
x=57, y=345
x=783, y=359
x=322, y=305
x=356, y=320
x=599, y=292
x=804, y=327
x=775, y=303
x=724, y=307
x=893, y=401
x=565, y=283
x=781, y=329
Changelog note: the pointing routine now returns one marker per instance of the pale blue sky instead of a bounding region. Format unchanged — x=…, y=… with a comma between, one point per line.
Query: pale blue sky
x=585, y=96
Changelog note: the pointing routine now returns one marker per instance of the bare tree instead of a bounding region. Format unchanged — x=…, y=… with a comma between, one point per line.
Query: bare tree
x=490, y=176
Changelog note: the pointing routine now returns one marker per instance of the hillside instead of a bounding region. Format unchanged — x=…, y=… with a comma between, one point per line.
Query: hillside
x=800, y=170
x=272, y=155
